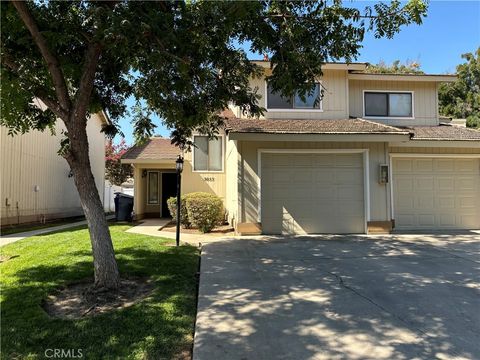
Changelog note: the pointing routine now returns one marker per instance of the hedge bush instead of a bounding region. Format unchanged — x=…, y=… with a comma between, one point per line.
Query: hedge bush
x=172, y=207
x=205, y=210
x=200, y=210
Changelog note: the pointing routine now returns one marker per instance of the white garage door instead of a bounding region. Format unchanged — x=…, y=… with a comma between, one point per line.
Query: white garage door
x=312, y=193
x=436, y=193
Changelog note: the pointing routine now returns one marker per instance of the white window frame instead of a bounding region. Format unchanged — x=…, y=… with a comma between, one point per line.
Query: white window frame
x=158, y=187
x=221, y=138
x=319, y=109
x=389, y=92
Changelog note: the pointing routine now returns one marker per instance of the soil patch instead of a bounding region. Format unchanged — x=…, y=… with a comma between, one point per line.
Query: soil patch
x=79, y=300
x=219, y=230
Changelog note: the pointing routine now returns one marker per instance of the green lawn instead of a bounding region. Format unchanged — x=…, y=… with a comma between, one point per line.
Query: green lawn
x=159, y=327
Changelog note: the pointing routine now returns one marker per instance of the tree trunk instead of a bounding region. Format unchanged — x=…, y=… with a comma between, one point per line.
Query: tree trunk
x=105, y=265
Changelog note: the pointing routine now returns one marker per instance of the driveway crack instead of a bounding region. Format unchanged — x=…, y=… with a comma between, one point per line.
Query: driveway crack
x=422, y=334
x=356, y=292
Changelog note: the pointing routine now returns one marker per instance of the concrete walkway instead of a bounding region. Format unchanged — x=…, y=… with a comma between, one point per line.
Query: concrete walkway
x=152, y=227
x=340, y=297
x=8, y=239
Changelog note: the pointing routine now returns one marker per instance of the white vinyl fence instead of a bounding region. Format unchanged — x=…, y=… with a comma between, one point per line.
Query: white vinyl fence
x=109, y=197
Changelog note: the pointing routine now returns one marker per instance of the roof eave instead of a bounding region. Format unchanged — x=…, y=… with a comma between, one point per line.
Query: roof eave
x=403, y=77
x=289, y=136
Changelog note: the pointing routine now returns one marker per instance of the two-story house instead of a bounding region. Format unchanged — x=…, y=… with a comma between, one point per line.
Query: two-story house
x=36, y=183
x=372, y=154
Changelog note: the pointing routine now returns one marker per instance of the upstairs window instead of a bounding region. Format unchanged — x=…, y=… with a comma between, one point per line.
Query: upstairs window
x=277, y=101
x=388, y=104
x=207, y=154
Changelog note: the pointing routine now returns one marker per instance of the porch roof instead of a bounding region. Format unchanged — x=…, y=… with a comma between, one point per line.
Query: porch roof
x=444, y=132
x=156, y=148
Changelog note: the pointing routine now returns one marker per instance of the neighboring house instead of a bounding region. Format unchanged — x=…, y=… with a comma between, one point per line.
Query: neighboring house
x=370, y=156
x=36, y=183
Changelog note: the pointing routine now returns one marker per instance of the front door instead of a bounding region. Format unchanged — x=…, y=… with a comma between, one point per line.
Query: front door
x=169, y=189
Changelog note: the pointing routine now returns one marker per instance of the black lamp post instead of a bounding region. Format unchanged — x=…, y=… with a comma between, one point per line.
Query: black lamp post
x=179, y=167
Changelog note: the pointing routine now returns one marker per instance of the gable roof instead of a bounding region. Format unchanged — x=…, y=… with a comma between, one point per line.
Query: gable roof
x=156, y=148
x=444, y=132
x=342, y=126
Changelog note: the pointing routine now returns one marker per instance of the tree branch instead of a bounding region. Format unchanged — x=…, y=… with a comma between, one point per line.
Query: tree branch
x=82, y=97
x=38, y=93
x=52, y=62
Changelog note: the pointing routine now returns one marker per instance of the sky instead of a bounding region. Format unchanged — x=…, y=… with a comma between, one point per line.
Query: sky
x=450, y=29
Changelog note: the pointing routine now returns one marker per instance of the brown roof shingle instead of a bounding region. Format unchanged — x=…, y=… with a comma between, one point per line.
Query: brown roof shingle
x=343, y=126
x=155, y=148
x=444, y=132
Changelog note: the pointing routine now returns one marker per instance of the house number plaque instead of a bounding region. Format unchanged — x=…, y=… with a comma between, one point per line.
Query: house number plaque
x=209, y=179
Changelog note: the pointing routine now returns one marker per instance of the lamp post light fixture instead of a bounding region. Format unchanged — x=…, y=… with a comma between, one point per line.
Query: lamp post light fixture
x=179, y=167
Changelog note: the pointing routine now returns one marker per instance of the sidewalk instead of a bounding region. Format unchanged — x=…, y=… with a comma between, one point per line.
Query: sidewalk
x=152, y=227
x=8, y=239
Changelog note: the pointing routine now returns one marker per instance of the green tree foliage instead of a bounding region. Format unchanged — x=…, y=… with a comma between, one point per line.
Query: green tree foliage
x=180, y=58
x=116, y=172
x=461, y=99
x=409, y=67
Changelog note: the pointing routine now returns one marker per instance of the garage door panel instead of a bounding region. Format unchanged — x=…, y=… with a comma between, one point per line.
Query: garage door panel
x=444, y=196
x=424, y=202
x=323, y=194
x=422, y=165
x=466, y=202
x=445, y=183
x=423, y=183
x=403, y=165
x=467, y=165
x=404, y=183
x=445, y=202
x=465, y=183
x=444, y=165
x=349, y=176
x=347, y=160
x=323, y=177
x=323, y=160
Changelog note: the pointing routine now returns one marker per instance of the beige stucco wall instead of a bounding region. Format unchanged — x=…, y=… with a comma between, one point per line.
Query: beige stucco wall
x=231, y=179
x=425, y=100
x=248, y=174
x=205, y=181
x=334, y=103
x=192, y=181
x=31, y=160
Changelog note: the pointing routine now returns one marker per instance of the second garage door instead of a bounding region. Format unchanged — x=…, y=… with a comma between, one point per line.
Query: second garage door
x=436, y=193
x=312, y=193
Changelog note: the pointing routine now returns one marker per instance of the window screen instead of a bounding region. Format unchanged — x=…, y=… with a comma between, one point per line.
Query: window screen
x=312, y=100
x=201, y=153
x=376, y=104
x=277, y=101
x=400, y=105
x=207, y=154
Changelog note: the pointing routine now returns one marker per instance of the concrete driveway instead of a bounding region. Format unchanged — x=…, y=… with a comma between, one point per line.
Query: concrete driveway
x=340, y=297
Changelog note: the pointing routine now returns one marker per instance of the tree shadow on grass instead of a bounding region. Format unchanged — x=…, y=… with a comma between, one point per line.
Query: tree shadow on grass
x=157, y=327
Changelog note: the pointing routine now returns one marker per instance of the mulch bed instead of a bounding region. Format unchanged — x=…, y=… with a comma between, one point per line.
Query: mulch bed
x=79, y=300
x=223, y=229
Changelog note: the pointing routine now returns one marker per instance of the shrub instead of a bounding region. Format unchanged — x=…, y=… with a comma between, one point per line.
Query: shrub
x=172, y=207
x=205, y=210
